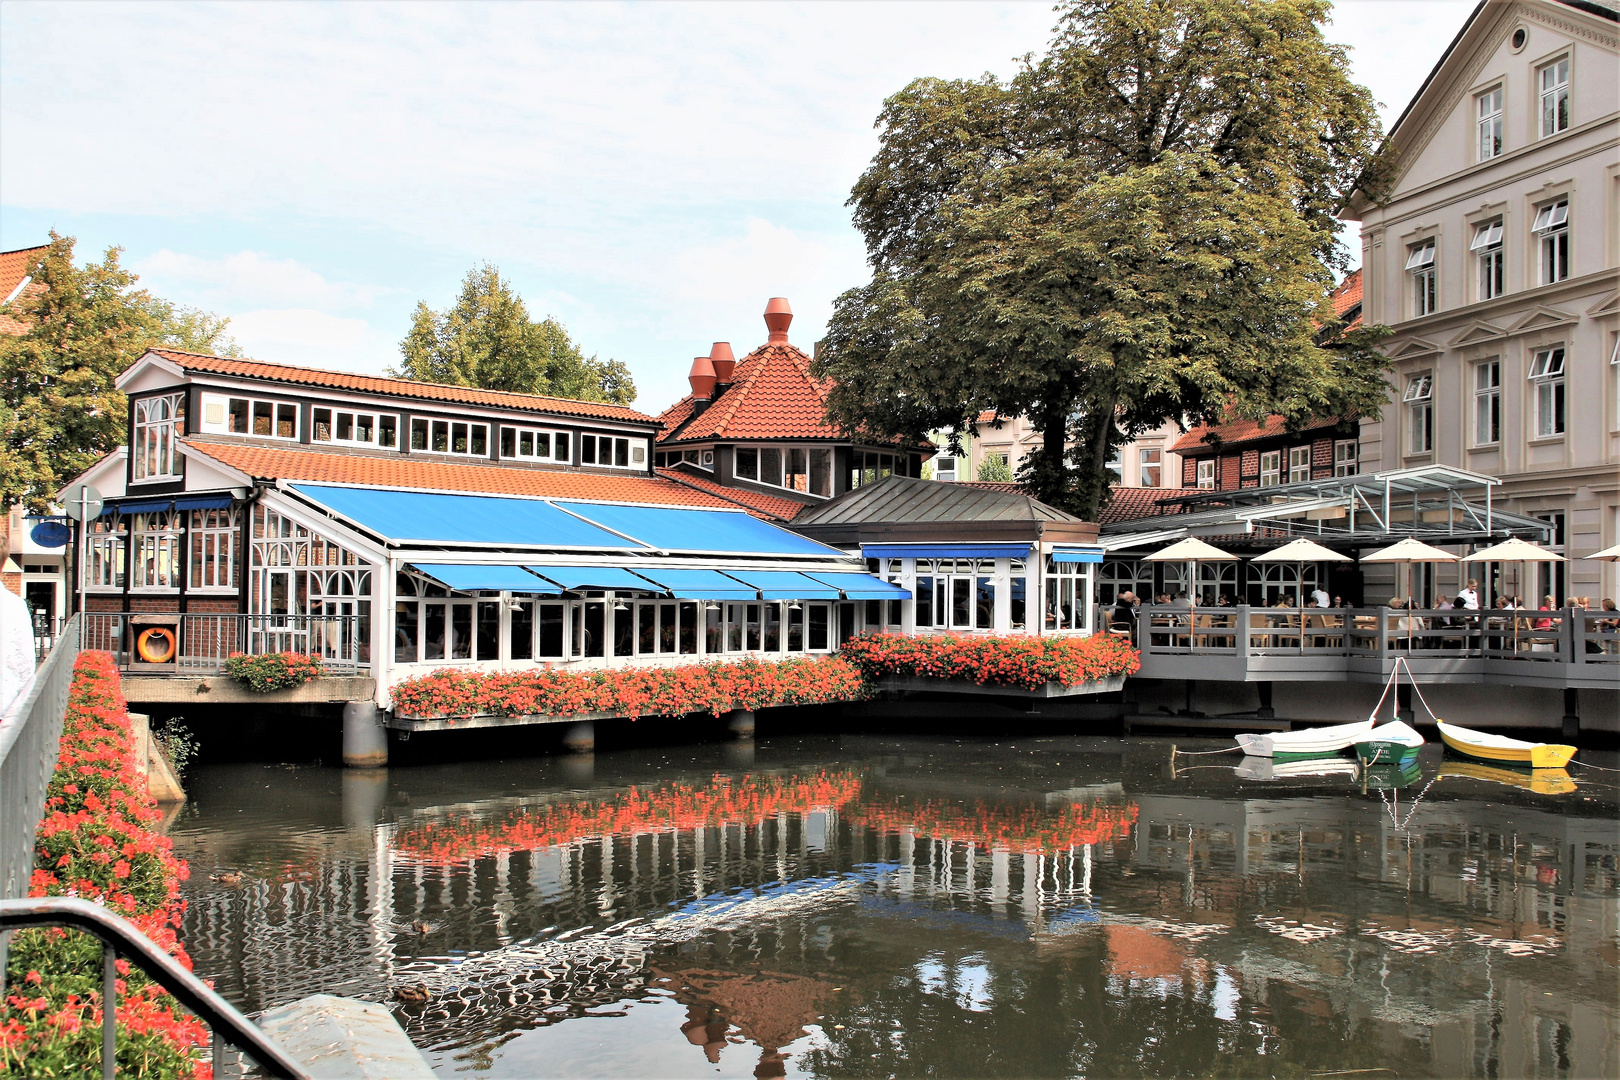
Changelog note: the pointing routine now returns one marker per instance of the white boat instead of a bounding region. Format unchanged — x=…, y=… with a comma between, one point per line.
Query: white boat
x=1262, y=768
x=1394, y=741
x=1309, y=742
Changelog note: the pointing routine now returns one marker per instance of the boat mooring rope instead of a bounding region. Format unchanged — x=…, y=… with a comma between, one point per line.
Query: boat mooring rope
x=1174, y=753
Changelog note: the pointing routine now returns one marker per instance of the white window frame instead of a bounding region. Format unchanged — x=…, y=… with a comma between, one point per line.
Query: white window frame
x=941, y=472
x=1346, y=457
x=559, y=444
x=1421, y=264
x=155, y=552
x=1552, y=80
x=1115, y=465
x=1547, y=373
x=1151, y=458
x=635, y=450
x=432, y=426
x=1072, y=582
x=1487, y=403
x=785, y=469
x=1270, y=468
x=220, y=412
x=1419, y=400
x=1551, y=225
x=160, y=420
x=1206, y=474
x=357, y=420
x=105, y=553
x=1299, y=464
x=1487, y=248
x=215, y=540
x=1489, y=111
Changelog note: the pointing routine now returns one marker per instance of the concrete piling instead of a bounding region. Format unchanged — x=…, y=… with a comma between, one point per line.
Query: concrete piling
x=580, y=738
x=740, y=722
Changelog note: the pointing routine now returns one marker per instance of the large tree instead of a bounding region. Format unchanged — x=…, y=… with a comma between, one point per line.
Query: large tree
x=486, y=339
x=1138, y=227
x=59, y=410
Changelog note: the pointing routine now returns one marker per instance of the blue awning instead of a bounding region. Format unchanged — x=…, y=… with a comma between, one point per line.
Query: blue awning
x=700, y=584
x=145, y=506
x=466, y=577
x=1077, y=555
x=946, y=551
x=720, y=532
x=861, y=586
x=594, y=577
x=208, y=500
x=485, y=520
x=785, y=585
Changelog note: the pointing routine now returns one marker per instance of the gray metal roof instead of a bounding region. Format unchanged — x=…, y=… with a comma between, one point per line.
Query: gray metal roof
x=906, y=499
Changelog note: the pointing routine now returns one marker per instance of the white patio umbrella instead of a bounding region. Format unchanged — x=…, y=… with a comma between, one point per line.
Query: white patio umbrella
x=1608, y=554
x=1191, y=550
x=1300, y=552
x=1409, y=551
x=1514, y=550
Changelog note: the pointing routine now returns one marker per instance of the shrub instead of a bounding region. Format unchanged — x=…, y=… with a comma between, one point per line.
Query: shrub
x=95, y=842
x=992, y=660
x=272, y=671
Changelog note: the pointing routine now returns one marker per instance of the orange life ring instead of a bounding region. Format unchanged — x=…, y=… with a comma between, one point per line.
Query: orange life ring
x=144, y=643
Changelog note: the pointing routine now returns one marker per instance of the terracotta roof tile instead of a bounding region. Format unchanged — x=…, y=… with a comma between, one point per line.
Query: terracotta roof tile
x=758, y=503
x=1348, y=295
x=1239, y=431
x=1131, y=503
x=14, y=267
x=375, y=384
x=771, y=396
x=399, y=471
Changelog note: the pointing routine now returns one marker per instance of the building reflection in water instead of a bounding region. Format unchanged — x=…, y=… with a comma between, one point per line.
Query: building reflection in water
x=865, y=918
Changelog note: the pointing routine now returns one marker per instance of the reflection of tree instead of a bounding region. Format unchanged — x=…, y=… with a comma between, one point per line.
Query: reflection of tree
x=770, y=1009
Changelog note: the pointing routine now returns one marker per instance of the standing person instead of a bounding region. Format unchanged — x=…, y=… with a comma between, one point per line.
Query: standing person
x=16, y=643
x=1321, y=597
x=1468, y=599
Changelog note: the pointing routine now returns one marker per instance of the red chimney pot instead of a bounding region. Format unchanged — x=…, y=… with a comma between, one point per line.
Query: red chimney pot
x=778, y=317
x=702, y=378
x=724, y=363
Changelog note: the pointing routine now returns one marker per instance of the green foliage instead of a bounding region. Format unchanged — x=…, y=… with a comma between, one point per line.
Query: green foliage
x=178, y=742
x=1137, y=228
x=486, y=339
x=59, y=410
x=995, y=468
x=272, y=671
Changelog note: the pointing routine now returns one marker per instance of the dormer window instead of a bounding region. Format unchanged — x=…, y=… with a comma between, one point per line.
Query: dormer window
x=449, y=437
x=797, y=468
x=533, y=444
x=353, y=428
x=224, y=415
x=612, y=451
x=159, y=423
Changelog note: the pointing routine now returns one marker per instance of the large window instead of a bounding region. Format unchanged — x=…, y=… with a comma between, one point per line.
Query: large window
x=1487, y=403
x=156, y=550
x=1068, y=596
x=1152, y=465
x=1547, y=377
x=1554, y=80
x=1345, y=458
x=1552, y=228
x=1420, y=265
x=1271, y=468
x=1419, y=402
x=866, y=467
x=296, y=573
x=214, y=556
x=353, y=428
x=1299, y=464
x=612, y=451
x=956, y=594
x=104, y=541
x=449, y=437
x=1489, y=105
x=806, y=469
x=1487, y=249
x=533, y=444
x=224, y=415
x=1206, y=474
x=159, y=423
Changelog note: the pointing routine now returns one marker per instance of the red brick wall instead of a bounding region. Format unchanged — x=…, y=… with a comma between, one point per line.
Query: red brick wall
x=214, y=605
x=1229, y=472
x=13, y=582
x=154, y=603
x=1321, y=458
x=103, y=602
x=1189, y=472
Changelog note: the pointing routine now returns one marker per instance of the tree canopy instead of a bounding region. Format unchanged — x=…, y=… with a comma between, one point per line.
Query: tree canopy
x=59, y=410
x=486, y=339
x=1138, y=227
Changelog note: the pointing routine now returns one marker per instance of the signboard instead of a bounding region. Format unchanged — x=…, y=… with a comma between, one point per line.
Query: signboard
x=82, y=501
x=50, y=533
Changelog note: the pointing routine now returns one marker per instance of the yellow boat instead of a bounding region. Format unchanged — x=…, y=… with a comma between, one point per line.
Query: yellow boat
x=1502, y=750
x=1540, y=781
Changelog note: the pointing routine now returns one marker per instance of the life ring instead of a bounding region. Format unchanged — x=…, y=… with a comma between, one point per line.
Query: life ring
x=161, y=636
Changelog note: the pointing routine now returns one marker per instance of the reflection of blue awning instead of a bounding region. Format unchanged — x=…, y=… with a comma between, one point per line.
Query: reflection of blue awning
x=945, y=551
x=862, y=586
x=785, y=585
x=594, y=577
x=674, y=528
x=208, y=500
x=464, y=577
x=700, y=584
x=1077, y=555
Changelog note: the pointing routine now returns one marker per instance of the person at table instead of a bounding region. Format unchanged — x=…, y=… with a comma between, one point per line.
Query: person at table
x=1468, y=598
x=1123, y=618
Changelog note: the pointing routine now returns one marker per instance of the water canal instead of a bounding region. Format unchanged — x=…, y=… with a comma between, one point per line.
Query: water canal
x=898, y=907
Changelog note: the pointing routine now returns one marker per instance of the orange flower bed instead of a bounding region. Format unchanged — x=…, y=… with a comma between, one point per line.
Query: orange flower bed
x=1024, y=661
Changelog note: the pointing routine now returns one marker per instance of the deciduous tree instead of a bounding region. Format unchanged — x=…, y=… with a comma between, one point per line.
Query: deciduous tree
x=1138, y=227
x=486, y=339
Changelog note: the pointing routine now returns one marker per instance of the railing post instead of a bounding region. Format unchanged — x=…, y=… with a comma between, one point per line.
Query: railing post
x=109, y=1010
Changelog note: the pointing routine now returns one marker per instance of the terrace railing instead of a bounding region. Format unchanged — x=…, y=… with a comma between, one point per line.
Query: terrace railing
x=206, y=641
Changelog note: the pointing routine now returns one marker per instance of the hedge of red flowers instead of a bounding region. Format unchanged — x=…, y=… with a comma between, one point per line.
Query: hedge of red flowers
x=1025, y=661
x=634, y=692
x=96, y=842
x=264, y=672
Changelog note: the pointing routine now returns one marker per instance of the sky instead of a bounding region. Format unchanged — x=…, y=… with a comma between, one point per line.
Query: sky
x=650, y=174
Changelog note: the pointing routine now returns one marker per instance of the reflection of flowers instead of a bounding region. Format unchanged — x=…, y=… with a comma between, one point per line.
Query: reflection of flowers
x=992, y=660
x=994, y=825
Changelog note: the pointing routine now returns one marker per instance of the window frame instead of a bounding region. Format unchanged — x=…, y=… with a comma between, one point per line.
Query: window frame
x=278, y=410
x=155, y=441
x=1551, y=228
x=155, y=537
x=554, y=437
x=431, y=427
x=1271, y=467
x=1556, y=119
x=1151, y=457
x=1295, y=466
x=1548, y=374
x=1422, y=263
x=335, y=412
x=1353, y=459
x=1488, y=402
x=1490, y=258
x=1419, y=402
x=213, y=538
x=1205, y=471
x=1488, y=122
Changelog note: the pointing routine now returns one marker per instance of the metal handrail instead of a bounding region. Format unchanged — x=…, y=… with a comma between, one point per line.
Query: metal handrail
x=29, y=736
x=120, y=936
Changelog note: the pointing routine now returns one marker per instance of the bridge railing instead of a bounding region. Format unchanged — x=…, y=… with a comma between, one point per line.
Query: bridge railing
x=30, y=734
x=205, y=642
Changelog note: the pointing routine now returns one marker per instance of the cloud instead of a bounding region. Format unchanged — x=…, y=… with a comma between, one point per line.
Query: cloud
x=250, y=278
x=316, y=339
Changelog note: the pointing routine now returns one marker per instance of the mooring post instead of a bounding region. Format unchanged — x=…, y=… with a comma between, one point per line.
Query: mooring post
x=1265, y=712
x=1572, y=714
x=740, y=722
x=365, y=740
x=580, y=738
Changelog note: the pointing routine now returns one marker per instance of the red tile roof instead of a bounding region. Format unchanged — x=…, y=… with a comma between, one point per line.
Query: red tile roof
x=1348, y=295
x=14, y=267
x=771, y=396
x=1201, y=437
x=1131, y=503
x=758, y=502
x=398, y=471
x=375, y=384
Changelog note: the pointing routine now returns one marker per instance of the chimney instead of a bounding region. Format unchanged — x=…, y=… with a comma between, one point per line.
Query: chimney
x=702, y=378
x=724, y=363
x=778, y=317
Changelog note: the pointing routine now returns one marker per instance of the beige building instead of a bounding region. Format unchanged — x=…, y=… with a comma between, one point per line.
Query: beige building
x=1494, y=259
x=1144, y=462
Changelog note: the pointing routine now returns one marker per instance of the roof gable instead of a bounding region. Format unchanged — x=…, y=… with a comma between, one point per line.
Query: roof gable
x=772, y=395
x=16, y=272
x=1478, y=332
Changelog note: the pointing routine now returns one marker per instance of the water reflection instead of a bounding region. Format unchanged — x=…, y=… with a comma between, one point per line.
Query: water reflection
x=1060, y=907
